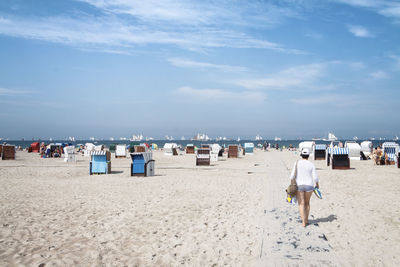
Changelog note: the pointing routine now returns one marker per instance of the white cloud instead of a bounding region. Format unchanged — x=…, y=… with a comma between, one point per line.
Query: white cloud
x=359, y=31
x=126, y=25
x=220, y=94
x=328, y=99
x=304, y=75
x=385, y=8
x=379, y=75
x=179, y=62
x=12, y=92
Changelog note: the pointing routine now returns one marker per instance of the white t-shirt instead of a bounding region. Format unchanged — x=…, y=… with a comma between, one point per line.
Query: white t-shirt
x=306, y=174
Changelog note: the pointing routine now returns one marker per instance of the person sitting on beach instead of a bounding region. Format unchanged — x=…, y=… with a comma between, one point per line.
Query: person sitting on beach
x=386, y=158
x=57, y=153
x=306, y=177
x=379, y=155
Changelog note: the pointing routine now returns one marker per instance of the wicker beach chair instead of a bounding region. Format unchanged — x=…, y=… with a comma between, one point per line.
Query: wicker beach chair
x=233, y=151
x=8, y=152
x=203, y=157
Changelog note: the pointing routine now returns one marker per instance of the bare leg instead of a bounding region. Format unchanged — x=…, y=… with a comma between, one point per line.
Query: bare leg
x=307, y=197
x=300, y=200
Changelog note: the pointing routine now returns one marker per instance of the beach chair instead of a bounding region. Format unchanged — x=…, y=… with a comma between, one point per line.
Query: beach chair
x=391, y=149
x=214, y=153
x=233, y=151
x=142, y=164
x=203, y=157
x=248, y=148
x=320, y=152
x=100, y=162
x=309, y=145
x=120, y=151
x=35, y=147
x=354, y=150
x=366, y=148
x=8, y=152
x=1, y=150
x=170, y=149
x=140, y=149
x=398, y=160
x=189, y=149
x=89, y=147
x=340, y=158
x=69, y=152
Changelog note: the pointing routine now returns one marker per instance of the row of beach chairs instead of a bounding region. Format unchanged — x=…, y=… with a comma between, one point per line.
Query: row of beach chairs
x=339, y=157
x=142, y=163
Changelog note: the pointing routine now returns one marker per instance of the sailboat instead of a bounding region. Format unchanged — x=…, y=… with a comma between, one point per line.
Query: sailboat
x=331, y=137
x=258, y=137
x=396, y=138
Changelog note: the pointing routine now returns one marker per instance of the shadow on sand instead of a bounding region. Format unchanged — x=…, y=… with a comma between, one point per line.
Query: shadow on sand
x=330, y=218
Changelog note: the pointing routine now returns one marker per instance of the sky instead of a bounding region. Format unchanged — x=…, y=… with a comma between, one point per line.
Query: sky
x=113, y=68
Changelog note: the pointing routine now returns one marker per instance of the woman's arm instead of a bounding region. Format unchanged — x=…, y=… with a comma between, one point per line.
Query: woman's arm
x=293, y=171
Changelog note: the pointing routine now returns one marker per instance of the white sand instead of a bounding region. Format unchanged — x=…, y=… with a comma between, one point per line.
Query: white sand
x=55, y=213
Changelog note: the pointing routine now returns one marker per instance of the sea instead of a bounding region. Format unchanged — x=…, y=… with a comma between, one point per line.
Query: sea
x=183, y=143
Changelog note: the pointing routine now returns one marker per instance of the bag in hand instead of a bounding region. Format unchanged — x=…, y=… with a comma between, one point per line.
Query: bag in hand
x=292, y=189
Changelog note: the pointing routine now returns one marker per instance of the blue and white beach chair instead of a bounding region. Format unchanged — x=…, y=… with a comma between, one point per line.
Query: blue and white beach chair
x=319, y=152
x=142, y=164
x=392, y=150
x=338, y=158
x=100, y=162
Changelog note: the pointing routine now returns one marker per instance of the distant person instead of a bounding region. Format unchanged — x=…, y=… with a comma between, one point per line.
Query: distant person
x=306, y=177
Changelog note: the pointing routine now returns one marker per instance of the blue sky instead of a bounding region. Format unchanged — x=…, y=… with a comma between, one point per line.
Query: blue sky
x=283, y=68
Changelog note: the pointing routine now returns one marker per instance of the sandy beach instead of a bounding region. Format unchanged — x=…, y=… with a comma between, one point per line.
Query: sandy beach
x=231, y=213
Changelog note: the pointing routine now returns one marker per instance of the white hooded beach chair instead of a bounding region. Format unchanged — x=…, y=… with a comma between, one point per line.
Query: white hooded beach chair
x=170, y=149
x=69, y=152
x=366, y=148
x=120, y=151
x=215, y=148
x=89, y=148
x=354, y=150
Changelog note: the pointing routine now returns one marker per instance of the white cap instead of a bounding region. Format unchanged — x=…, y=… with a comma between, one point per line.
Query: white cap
x=305, y=152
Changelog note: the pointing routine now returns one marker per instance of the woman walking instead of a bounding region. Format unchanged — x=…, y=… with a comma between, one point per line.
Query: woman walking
x=306, y=177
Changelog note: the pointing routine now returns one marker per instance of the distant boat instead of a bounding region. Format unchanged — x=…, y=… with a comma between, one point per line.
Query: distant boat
x=355, y=138
x=183, y=138
x=201, y=137
x=331, y=137
x=138, y=137
x=238, y=139
x=170, y=138
x=278, y=139
x=396, y=138
x=317, y=139
x=258, y=137
x=111, y=138
x=90, y=138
